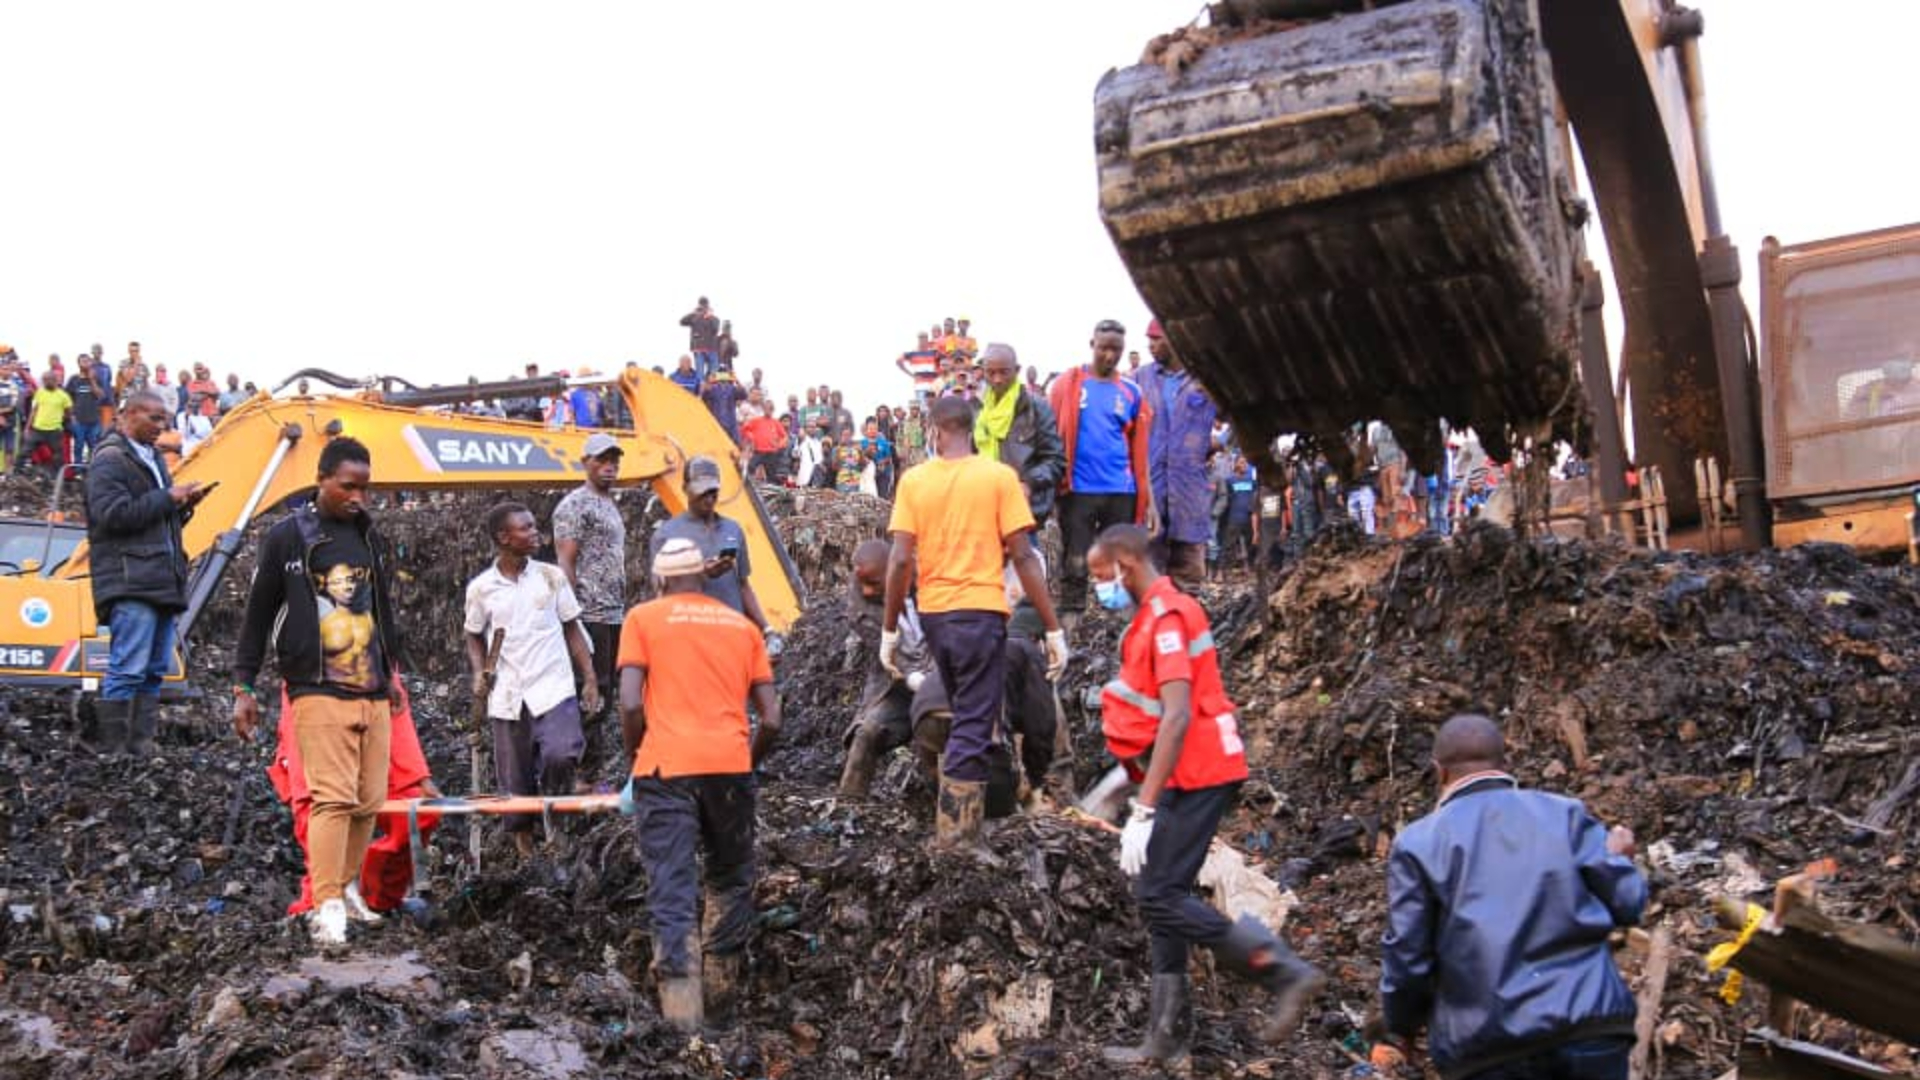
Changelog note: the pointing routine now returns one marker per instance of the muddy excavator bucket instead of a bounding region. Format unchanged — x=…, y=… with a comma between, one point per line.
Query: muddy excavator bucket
x=1367, y=216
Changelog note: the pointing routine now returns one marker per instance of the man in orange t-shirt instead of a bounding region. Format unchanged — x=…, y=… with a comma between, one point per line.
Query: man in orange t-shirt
x=688, y=665
x=960, y=518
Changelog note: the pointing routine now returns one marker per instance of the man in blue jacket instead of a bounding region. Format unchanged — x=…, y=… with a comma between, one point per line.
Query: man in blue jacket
x=1499, y=904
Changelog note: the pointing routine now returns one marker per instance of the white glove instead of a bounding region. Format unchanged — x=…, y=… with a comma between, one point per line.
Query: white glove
x=890, y=652
x=1057, y=653
x=1133, y=839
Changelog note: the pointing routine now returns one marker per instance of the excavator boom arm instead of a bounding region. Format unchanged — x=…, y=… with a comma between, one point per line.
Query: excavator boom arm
x=267, y=450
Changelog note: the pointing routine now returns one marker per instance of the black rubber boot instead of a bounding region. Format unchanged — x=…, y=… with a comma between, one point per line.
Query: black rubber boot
x=856, y=779
x=958, y=813
x=144, y=724
x=680, y=1002
x=1169, y=1019
x=720, y=973
x=1254, y=952
x=110, y=724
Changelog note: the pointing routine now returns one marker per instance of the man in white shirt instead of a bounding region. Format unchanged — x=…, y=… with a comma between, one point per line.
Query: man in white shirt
x=810, y=455
x=537, y=738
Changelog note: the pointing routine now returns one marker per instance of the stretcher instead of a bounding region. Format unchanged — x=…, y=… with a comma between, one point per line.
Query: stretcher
x=544, y=805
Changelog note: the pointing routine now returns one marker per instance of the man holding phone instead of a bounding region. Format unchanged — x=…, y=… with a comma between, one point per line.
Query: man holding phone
x=134, y=515
x=723, y=544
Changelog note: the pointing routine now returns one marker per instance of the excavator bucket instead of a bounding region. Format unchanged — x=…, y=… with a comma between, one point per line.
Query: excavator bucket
x=1362, y=216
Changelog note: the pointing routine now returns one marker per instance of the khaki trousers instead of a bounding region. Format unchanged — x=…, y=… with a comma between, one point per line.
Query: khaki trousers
x=344, y=747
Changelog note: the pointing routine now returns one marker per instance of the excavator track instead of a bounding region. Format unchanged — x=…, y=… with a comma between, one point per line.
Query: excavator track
x=1367, y=216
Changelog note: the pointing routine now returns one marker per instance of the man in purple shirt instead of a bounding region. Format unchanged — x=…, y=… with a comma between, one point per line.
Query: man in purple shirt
x=723, y=397
x=1177, y=446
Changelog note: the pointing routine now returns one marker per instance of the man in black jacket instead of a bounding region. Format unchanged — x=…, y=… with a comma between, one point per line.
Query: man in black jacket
x=134, y=515
x=320, y=595
x=1029, y=441
x=703, y=338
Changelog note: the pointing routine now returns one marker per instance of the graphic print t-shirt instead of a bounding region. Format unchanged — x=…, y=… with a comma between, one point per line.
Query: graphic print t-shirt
x=342, y=567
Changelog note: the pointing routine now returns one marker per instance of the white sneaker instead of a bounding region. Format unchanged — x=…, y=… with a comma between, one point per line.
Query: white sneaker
x=328, y=924
x=357, y=908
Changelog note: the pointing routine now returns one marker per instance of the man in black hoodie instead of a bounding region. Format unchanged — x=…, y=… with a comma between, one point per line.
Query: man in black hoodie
x=320, y=594
x=134, y=515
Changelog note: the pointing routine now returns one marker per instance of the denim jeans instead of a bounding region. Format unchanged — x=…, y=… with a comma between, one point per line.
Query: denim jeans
x=1360, y=501
x=1588, y=1059
x=137, y=655
x=84, y=436
x=706, y=363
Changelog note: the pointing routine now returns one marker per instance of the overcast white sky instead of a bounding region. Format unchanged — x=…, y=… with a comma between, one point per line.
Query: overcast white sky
x=444, y=189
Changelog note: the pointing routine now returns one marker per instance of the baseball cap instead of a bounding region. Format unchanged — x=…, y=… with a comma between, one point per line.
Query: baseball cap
x=677, y=558
x=600, y=443
x=1154, y=331
x=703, y=475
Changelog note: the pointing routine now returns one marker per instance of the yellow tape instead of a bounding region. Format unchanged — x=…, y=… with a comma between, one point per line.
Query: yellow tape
x=1722, y=954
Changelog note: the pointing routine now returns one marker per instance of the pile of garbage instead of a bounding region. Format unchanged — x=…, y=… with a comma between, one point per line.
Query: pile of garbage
x=1745, y=715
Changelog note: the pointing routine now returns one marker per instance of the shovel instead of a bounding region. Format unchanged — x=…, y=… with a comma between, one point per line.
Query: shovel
x=474, y=737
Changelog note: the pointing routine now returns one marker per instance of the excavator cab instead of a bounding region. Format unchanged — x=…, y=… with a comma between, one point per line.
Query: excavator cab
x=37, y=548
x=1841, y=355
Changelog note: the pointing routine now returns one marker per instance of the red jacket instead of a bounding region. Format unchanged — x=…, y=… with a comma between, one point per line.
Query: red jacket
x=1170, y=640
x=1064, y=396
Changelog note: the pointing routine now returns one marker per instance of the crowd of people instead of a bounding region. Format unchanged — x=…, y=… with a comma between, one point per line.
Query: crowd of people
x=1171, y=448
x=973, y=633
x=58, y=416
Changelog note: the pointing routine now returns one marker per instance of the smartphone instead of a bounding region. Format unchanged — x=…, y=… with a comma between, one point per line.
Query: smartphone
x=208, y=490
x=730, y=552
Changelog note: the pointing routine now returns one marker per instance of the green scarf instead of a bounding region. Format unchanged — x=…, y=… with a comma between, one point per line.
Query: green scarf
x=995, y=420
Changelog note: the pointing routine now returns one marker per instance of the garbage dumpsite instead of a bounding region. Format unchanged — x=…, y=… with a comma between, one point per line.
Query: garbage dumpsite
x=1414, y=573
x=1747, y=716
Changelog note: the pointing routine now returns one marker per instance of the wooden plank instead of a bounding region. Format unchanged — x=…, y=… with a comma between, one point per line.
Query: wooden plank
x=1647, y=1018
x=1856, y=972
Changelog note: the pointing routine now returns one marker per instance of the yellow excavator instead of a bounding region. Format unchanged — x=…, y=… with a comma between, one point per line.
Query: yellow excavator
x=1352, y=210
x=268, y=449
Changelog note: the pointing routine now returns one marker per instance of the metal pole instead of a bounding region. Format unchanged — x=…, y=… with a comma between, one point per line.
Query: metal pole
x=207, y=573
x=1739, y=390
x=1609, y=441
x=1720, y=276
x=288, y=436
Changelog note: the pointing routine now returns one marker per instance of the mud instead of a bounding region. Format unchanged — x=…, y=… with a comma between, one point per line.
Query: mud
x=1746, y=714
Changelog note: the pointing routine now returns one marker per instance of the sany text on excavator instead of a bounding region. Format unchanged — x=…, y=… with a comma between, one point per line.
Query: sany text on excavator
x=268, y=449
